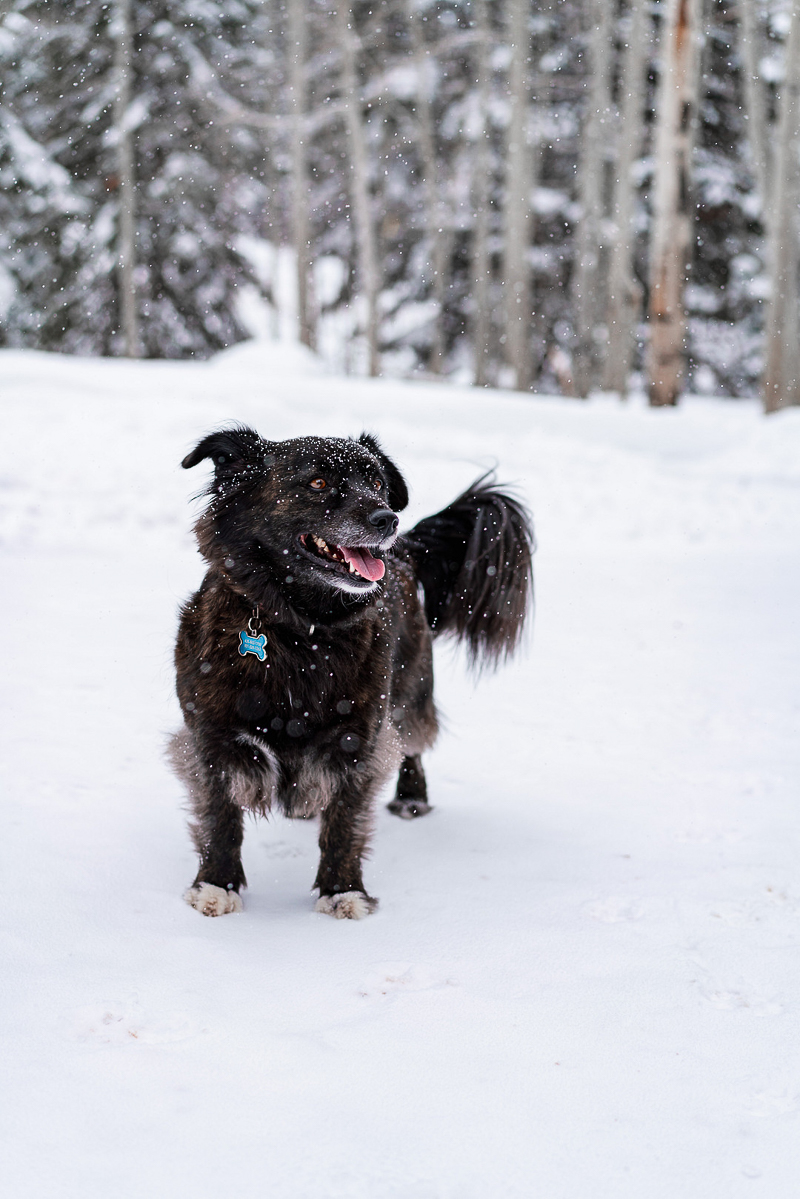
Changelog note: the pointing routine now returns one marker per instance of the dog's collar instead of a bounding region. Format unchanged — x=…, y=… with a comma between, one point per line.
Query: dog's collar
x=287, y=614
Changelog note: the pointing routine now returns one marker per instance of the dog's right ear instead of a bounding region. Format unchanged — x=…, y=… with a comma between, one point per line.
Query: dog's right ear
x=229, y=449
x=398, y=488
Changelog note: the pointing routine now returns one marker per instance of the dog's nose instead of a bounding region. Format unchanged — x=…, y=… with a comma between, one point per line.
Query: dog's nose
x=384, y=521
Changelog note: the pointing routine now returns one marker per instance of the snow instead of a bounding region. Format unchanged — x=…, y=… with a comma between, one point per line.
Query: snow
x=583, y=976
x=35, y=167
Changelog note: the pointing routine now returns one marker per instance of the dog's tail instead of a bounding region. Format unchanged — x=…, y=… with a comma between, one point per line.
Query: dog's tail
x=474, y=561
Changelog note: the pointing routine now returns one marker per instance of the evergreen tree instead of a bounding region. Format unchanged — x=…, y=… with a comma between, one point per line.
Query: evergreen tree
x=196, y=181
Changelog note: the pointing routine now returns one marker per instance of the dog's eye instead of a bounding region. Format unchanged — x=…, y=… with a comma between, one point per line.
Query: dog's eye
x=377, y=484
x=318, y=484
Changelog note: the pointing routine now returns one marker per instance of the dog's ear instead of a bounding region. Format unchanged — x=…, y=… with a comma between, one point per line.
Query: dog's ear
x=229, y=449
x=398, y=491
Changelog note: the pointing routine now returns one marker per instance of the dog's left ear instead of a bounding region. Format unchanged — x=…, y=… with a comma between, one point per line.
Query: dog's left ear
x=398, y=491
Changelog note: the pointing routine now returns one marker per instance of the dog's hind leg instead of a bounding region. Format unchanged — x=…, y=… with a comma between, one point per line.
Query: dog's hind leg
x=411, y=797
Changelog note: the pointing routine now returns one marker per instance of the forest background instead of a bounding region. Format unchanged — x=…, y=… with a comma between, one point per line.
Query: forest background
x=564, y=197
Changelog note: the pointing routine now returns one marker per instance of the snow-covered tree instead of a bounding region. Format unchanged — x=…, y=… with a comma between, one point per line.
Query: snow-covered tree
x=155, y=176
x=483, y=189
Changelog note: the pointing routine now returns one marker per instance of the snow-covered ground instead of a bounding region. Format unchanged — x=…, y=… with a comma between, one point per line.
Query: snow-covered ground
x=584, y=977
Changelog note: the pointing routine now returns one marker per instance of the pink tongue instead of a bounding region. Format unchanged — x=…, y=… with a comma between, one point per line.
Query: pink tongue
x=367, y=566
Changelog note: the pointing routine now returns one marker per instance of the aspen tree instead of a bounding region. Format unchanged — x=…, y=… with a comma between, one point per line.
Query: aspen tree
x=596, y=130
x=435, y=208
x=363, y=225
x=517, y=200
x=126, y=189
x=672, y=211
x=481, y=200
x=300, y=183
x=624, y=292
x=750, y=44
x=781, y=383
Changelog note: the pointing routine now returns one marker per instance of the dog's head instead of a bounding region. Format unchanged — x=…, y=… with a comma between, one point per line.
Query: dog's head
x=318, y=512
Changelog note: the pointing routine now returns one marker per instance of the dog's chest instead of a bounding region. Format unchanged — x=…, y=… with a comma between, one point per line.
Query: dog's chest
x=309, y=682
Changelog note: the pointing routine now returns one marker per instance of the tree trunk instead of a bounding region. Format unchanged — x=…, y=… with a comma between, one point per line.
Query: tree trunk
x=481, y=200
x=752, y=45
x=301, y=226
x=126, y=219
x=596, y=131
x=519, y=181
x=624, y=291
x=435, y=214
x=672, y=210
x=781, y=383
x=363, y=225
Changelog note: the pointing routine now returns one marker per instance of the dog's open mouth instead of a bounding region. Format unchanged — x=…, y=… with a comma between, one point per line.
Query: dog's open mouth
x=350, y=559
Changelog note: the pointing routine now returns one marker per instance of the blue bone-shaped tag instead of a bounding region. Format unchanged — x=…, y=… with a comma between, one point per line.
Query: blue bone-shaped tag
x=253, y=645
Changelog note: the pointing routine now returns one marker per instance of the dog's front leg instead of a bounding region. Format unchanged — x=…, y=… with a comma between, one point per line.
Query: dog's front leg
x=225, y=779
x=218, y=832
x=346, y=824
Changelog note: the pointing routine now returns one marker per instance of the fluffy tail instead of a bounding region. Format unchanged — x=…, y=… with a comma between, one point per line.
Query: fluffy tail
x=473, y=560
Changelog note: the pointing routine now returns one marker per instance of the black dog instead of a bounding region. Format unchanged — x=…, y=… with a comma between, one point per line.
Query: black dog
x=304, y=664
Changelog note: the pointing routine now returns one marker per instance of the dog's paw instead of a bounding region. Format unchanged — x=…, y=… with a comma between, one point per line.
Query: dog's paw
x=213, y=901
x=350, y=905
x=408, y=809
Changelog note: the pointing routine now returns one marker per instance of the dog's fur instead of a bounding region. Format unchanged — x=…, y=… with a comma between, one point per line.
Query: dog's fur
x=345, y=696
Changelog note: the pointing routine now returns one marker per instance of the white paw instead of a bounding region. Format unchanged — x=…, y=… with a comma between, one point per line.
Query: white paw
x=350, y=905
x=213, y=901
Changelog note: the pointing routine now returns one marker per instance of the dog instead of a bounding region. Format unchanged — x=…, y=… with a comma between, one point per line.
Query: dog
x=304, y=662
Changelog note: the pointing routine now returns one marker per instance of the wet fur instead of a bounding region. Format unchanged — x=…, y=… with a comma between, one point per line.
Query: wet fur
x=345, y=697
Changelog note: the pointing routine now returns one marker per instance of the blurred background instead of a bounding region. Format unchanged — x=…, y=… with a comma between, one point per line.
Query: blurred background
x=562, y=197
